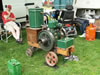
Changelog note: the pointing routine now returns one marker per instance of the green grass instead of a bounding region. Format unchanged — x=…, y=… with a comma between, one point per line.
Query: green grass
x=87, y=52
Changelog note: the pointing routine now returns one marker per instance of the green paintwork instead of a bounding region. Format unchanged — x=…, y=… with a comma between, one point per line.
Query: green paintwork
x=14, y=67
x=64, y=43
x=56, y=34
x=36, y=17
x=52, y=23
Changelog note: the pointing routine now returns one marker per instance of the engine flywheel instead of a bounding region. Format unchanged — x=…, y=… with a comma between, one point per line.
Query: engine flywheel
x=46, y=40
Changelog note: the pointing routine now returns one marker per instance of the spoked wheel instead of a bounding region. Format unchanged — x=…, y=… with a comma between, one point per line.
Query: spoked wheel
x=51, y=58
x=30, y=51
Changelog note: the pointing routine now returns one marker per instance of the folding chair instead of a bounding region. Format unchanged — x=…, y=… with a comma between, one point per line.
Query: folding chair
x=5, y=33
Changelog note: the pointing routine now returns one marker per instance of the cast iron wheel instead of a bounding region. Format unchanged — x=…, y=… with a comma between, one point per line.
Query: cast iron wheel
x=51, y=59
x=30, y=51
x=46, y=40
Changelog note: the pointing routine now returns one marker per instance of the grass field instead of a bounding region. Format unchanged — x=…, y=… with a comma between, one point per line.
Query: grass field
x=87, y=52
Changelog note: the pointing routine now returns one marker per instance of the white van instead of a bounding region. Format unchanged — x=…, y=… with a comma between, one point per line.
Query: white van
x=19, y=8
x=87, y=7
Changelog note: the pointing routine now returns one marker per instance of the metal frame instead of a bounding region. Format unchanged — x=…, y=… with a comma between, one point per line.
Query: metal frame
x=5, y=33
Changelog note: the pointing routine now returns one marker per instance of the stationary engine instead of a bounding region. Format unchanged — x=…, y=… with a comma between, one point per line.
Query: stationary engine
x=47, y=38
x=54, y=38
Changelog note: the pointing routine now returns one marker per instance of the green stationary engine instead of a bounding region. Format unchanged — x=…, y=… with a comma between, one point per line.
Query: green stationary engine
x=53, y=39
x=48, y=38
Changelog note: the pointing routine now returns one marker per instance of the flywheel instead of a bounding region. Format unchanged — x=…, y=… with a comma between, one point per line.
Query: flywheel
x=46, y=40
